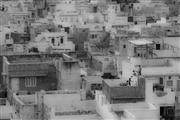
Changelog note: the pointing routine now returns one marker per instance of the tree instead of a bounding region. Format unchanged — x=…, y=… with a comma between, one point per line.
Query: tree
x=104, y=43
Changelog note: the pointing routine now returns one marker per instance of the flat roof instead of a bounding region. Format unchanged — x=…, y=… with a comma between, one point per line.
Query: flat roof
x=173, y=69
x=93, y=79
x=113, y=82
x=140, y=42
x=173, y=41
x=158, y=71
x=32, y=58
x=79, y=117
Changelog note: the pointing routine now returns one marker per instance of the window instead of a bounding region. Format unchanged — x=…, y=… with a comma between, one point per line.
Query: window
x=93, y=36
x=30, y=81
x=96, y=86
x=135, y=50
x=130, y=19
x=124, y=46
x=52, y=41
x=169, y=83
x=62, y=40
x=7, y=36
x=161, y=80
x=33, y=15
x=158, y=46
x=169, y=77
x=178, y=85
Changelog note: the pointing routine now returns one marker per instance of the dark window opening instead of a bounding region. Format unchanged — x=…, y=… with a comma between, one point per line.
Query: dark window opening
x=9, y=45
x=135, y=50
x=96, y=87
x=62, y=40
x=33, y=15
x=95, y=9
x=67, y=29
x=7, y=36
x=124, y=46
x=34, y=49
x=52, y=41
x=161, y=80
x=167, y=112
x=108, y=76
x=130, y=19
x=158, y=87
x=158, y=46
x=3, y=9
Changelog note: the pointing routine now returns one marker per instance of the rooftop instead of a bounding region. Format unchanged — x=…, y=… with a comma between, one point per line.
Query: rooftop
x=32, y=58
x=174, y=69
x=93, y=79
x=113, y=82
x=79, y=117
x=140, y=42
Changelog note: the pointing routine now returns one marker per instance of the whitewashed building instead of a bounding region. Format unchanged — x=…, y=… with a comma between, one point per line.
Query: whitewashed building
x=52, y=42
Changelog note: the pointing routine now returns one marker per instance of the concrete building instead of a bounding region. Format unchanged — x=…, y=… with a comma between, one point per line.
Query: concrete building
x=5, y=18
x=7, y=111
x=90, y=84
x=20, y=41
x=104, y=64
x=140, y=48
x=19, y=15
x=40, y=7
x=124, y=105
x=50, y=105
x=129, y=94
x=161, y=77
x=56, y=42
x=165, y=84
x=128, y=70
x=68, y=73
x=28, y=75
x=66, y=14
x=6, y=41
x=25, y=106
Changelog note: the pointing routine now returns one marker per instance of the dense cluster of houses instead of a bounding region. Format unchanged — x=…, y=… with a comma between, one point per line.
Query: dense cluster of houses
x=90, y=59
